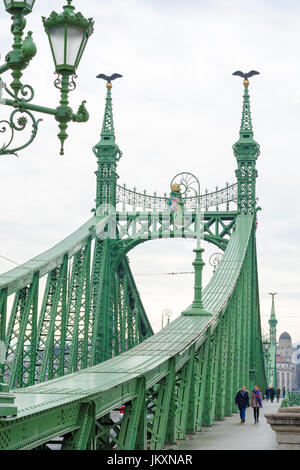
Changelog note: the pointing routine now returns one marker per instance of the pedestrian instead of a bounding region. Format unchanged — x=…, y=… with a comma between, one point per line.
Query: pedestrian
x=256, y=402
x=283, y=392
x=278, y=394
x=272, y=393
x=267, y=392
x=242, y=401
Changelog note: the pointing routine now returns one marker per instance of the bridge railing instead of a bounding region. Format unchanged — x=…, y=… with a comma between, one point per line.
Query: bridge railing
x=132, y=199
x=292, y=398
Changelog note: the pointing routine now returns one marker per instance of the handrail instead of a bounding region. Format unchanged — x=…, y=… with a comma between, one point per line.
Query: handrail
x=146, y=201
x=292, y=398
x=21, y=276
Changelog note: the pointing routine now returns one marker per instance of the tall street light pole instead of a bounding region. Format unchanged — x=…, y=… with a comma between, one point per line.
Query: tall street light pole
x=183, y=185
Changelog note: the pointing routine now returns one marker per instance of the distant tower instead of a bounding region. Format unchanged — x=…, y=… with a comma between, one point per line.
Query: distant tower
x=108, y=154
x=273, y=322
x=246, y=151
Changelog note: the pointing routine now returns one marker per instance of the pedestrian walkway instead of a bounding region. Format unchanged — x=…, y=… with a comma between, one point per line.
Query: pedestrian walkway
x=230, y=434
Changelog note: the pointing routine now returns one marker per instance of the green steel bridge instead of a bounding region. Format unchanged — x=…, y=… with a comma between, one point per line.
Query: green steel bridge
x=88, y=348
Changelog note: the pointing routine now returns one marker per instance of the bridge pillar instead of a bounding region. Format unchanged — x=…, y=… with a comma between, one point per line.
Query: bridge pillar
x=86, y=426
x=201, y=372
x=3, y=309
x=171, y=423
x=208, y=384
x=246, y=151
x=131, y=423
x=163, y=427
x=183, y=396
x=108, y=154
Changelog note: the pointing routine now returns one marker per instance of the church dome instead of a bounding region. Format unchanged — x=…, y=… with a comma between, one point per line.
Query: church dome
x=285, y=341
x=285, y=335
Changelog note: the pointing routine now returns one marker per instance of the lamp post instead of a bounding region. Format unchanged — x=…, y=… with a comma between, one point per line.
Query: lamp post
x=266, y=346
x=68, y=34
x=186, y=184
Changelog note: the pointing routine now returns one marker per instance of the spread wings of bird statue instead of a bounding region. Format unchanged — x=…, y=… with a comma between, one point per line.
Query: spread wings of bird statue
x=246, y=75
x=109, y=78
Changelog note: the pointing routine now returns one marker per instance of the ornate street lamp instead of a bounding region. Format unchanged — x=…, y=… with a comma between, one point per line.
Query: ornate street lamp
x=13, y=5
x=68, y=34
x=184, y=184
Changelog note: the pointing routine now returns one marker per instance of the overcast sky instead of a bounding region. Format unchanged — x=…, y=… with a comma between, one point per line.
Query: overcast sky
x=178, y=108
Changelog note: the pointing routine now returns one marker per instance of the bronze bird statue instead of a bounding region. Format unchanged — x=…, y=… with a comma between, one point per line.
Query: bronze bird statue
x=246, y=75
x=109, y=78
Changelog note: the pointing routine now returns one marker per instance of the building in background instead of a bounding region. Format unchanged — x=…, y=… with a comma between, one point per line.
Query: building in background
x=285, y=364
x=297, y=361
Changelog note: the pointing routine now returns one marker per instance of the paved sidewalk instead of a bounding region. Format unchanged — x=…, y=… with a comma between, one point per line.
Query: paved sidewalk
x=232, y=435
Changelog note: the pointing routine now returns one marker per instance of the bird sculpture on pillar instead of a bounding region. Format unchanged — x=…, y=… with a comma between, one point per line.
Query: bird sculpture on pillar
x=109, y=78
x=245, y=76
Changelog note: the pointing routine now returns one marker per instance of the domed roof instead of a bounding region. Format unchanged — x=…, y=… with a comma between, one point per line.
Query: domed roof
x=285, y=335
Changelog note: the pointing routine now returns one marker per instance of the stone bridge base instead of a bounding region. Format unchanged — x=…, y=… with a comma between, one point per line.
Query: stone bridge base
x=286, y=424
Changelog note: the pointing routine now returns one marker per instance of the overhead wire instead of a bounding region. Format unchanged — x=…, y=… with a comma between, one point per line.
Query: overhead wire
x=165, y=274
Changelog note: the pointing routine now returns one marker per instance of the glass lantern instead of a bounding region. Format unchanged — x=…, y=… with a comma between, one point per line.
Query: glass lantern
x=13, y=5
x=68, y=35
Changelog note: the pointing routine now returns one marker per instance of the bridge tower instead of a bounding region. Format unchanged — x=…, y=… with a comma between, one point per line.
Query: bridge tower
x=272, y=351
x=246, y=151
x=108, y=154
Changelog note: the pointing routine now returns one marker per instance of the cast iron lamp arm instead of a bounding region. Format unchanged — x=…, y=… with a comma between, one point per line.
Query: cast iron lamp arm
x=18, y=60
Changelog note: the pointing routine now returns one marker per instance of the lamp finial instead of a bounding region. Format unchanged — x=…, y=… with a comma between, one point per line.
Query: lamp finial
x=69, y=7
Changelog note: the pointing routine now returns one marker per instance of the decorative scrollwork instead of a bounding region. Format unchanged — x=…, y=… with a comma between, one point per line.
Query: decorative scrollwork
x=24, y=92
x=57, y=81
x=16, y=124
x=188, y=184
x=215, y=259
x=71, y=85
x=215, y=199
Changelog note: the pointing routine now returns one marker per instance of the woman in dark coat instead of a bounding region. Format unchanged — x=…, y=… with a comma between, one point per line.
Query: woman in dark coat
x=272, y=393
x=242, y=401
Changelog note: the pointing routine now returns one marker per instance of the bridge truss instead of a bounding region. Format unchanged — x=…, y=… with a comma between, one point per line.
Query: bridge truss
x=79, y=343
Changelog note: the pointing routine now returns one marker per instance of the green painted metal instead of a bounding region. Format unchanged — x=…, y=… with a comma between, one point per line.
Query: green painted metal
x=272, y=376
x=292, y=398
x=108, y=154
x=197, y=306
x=18, y=59
x=79, y=439
x=165, y=395
x=91, y=349
x=246, y=150
x=184, y=383
x=115, y=381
